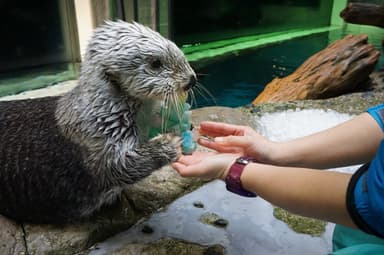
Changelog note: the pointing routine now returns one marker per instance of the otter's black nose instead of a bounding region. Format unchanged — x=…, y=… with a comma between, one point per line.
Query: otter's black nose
x=191, y=83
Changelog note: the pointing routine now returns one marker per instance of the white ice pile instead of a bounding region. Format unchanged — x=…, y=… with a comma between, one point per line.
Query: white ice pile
x=252, y=228
x=290, y=124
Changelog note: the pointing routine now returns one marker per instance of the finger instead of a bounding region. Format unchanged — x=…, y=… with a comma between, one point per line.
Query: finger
x=195, y=157
x=217, y=129
x=218, y=147
x=186, y=171
x=214, y=129
x=177, y=166
x=239, y=141
x=189, y=159
x=184, y=159
x=181, y=169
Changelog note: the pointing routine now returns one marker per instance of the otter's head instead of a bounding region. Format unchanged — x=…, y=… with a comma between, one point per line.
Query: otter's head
x=139, y=61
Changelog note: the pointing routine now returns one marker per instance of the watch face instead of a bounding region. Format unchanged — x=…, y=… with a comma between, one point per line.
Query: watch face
x=242, y=161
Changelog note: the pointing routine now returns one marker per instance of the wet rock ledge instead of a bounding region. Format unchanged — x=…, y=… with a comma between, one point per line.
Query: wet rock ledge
x=155, y=192
x=354, y=103
x=169, y=246
x=137, y=202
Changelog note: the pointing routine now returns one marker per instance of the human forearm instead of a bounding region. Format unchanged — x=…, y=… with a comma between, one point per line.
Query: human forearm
x=308, y=192
x=311, y=193
x=352, y=142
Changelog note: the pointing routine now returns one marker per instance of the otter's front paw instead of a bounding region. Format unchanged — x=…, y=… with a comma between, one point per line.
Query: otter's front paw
x=168, y=145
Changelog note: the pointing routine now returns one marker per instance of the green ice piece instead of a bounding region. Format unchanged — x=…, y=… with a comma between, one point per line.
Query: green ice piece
x=174, y=115
x=186, y=118
x=184, y=127
x=178, y=123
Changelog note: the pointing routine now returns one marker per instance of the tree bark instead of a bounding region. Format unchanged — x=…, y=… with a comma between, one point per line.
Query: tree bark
x=338, y=69
x=364, y=13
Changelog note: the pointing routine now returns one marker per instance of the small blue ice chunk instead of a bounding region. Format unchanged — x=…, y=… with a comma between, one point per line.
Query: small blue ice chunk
x=189, y=145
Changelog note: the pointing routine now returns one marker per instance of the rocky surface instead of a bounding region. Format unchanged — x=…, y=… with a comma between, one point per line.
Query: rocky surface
x=353, y=104
x=11, y=237
x=300, y=224
x=169, y=246
x=155, y=192
x=214, y=220
x=138, y=201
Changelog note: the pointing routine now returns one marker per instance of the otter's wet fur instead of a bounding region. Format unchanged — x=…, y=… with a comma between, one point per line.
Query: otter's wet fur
x=62, y=158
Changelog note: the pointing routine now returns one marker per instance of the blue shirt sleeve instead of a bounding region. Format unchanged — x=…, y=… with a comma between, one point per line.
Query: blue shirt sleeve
x=377, y=112
x=365, y=195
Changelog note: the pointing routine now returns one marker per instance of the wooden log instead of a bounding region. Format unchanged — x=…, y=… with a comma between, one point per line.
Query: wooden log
x=364, y=13
x=336, y=70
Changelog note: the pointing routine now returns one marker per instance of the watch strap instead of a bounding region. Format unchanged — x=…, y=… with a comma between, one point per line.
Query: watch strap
x=233, y=181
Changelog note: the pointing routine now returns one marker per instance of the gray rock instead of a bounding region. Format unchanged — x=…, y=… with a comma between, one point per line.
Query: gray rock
x=170, y=246
x=354, y=103
x=138, y=201
x=11, y=237
x=154, y=192
x=213, y=219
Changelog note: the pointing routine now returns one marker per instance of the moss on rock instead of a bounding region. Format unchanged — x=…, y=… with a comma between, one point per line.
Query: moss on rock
x=300, y=224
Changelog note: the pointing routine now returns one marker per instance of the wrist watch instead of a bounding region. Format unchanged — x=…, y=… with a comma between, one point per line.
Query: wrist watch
x=232, y=180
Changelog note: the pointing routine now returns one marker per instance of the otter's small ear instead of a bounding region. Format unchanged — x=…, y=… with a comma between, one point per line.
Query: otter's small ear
x=112, y=79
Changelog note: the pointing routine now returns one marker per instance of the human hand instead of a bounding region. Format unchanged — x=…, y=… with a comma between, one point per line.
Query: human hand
x=242, y=140
x=206, y=165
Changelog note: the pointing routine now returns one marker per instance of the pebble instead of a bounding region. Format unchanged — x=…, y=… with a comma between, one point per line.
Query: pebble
x=214, y=220
x=147, y=229
x=220, y=222
x=198, y=204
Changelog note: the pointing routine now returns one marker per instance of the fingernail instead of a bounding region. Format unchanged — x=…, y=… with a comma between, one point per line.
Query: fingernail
x=203, y=137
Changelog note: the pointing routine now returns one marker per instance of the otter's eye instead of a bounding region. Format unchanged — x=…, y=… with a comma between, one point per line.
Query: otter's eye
x=156, y=64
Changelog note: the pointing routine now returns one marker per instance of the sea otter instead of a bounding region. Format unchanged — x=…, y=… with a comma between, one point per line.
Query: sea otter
x=64, y=157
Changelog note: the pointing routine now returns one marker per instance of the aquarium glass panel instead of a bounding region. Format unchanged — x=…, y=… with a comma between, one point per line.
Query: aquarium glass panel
x=36, y=47
x=203, y=21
